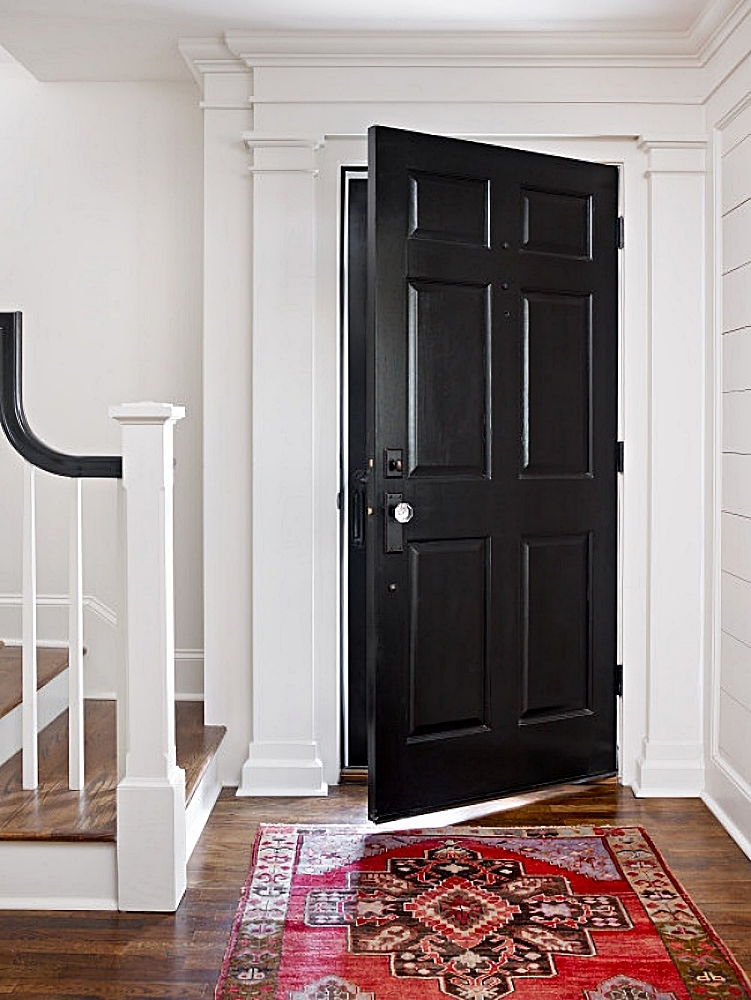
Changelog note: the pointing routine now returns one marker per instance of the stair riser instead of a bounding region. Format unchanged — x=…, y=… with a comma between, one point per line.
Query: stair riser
x=201, y=803
x=44, y=875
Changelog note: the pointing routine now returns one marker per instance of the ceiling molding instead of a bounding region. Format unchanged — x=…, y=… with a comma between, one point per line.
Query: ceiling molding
x=439, y=48
x=240, y=50
x=208, y=55
x=80, y=40
x=716, y=24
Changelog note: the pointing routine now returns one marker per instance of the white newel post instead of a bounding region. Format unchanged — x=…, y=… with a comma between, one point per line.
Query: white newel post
x=151, y=847
x=671, y=762
x=283, y=757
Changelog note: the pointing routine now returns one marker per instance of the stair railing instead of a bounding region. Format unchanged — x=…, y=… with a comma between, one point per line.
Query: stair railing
x=38, y=455
x=151, y=825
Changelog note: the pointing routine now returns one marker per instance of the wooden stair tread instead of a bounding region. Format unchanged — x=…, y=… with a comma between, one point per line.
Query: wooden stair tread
x=53, y=812
x=50, y=663
x=196, y=743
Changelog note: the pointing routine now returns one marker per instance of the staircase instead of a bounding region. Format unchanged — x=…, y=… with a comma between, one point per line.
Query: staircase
x=58, y=847
x=104, y=801
x=52, y=683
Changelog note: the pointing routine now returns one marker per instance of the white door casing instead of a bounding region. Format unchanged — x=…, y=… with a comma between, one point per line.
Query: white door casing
x=273, y=288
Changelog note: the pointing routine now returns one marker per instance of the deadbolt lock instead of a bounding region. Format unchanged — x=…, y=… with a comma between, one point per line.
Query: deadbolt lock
x=393, y=463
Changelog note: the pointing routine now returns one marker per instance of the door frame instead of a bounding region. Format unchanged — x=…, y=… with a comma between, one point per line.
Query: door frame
x=346, y=173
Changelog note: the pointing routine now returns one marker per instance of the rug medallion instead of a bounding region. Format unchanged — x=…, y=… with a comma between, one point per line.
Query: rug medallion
x=555, y=913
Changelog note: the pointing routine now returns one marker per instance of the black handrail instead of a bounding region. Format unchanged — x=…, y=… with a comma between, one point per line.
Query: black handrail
x=16, y=426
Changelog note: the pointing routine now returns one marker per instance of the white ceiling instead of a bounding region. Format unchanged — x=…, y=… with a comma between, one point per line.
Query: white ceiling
x=137, y=39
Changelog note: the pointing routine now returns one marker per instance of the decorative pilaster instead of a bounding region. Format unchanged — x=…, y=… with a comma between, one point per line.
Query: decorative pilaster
x=151, y=847
x=672, y=758
x=227, y=395
x=283, y=757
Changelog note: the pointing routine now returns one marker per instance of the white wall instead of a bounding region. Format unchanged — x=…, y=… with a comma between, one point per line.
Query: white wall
x=729, y=682
x=101, y=202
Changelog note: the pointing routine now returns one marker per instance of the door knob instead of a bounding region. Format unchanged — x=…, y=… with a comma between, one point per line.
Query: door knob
x=403, y=512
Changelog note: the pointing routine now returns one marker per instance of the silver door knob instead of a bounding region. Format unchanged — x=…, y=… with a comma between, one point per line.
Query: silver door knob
x=403, y=512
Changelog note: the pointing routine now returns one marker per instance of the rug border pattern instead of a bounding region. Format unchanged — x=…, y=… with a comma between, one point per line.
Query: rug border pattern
x=258, y=924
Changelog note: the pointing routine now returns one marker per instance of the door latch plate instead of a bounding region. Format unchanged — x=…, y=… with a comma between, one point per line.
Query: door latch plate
x=394, y=534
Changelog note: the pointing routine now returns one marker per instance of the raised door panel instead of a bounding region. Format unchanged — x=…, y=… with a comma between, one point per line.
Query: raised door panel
x=450, y=209
x=448, y=637
x=556, y=395
x=557, y=222
x=556, y=624
x=449, y=379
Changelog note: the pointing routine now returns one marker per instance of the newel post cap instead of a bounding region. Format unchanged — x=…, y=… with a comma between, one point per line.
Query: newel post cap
x=147, y=413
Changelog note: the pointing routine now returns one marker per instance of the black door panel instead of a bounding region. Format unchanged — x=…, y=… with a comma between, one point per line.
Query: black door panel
x=492, y=366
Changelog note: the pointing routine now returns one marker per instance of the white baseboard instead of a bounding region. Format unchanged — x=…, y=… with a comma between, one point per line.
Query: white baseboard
x=52, y=700
x=62, y=875
x=99, y=676
x=289, y=768
x=189, y=674
x=728, y=796
x=670, y=770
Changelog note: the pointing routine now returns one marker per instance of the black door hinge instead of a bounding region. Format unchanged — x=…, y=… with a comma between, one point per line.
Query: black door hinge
x=621, y=232
x=619, y=456
x=619, y=679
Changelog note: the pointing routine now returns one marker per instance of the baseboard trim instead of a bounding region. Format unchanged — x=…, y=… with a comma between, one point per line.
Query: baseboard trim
x=189, y=674
x=188, y=669
x=728, y=798
x=286, y=768
x=670, y=770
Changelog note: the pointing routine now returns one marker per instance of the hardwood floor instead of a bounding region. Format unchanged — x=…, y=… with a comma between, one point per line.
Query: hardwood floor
x=107, y=956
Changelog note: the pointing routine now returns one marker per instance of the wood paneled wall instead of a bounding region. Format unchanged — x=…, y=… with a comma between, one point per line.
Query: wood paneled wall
x=734, y=708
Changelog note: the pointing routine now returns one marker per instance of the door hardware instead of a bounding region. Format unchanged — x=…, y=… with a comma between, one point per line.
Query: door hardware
x=393, y=463
x=404, y=512
x=357, y=508
x=398, y=513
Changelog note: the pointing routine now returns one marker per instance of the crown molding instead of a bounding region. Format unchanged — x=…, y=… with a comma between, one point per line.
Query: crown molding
x=715, y=25
x=442, y=48
x=556, y=45
x=208, y=55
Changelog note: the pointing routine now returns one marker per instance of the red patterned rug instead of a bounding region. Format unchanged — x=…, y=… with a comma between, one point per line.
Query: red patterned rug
x=551, y=913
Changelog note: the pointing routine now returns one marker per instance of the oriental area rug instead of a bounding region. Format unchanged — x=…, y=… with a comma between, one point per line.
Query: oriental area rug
x=548, y=913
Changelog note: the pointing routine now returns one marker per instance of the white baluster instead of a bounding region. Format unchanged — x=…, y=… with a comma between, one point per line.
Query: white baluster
x=75, y=644
x=29, y=613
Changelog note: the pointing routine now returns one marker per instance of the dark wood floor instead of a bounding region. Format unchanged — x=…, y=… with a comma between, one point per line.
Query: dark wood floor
x=52, y=812
x=107, y=956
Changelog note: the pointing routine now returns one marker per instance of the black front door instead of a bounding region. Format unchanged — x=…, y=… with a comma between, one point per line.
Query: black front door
x=492, y=425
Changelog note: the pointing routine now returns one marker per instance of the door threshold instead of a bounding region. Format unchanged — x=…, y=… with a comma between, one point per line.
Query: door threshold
x=353, y=776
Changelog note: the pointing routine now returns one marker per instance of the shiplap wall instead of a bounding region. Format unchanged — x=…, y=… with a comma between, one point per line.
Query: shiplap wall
x=734, y=708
